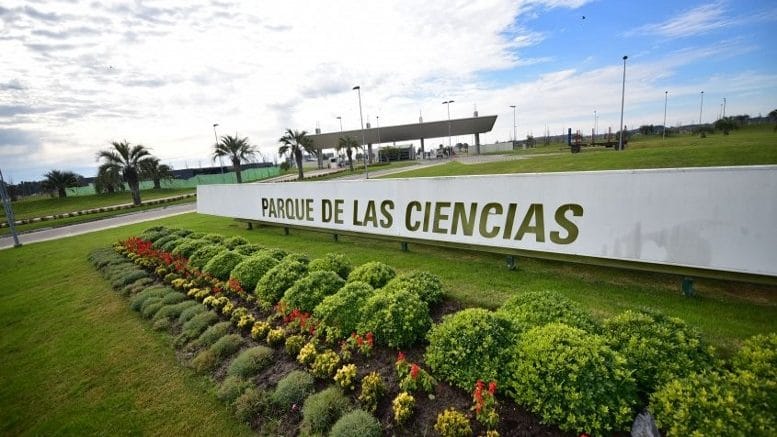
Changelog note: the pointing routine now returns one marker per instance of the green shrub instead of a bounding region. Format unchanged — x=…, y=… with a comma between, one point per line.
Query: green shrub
x=292, y=389
x=251, y=269
x=172, y=244
x=397, y=319
x=161, y=324
x=299, y=257
x=278, y=279
x=372, y=390
x=173, y=298
x=325, y=364
x=758, y=355
x=150, y=307
x=717, y=404
x=248, y=249
x=164, y=240
x=201, y=256
x=232, y=242
x=213, y=333
x=231, y=388
x=374, y=273
x=172, y=311
x=424, y=284
x=136, y=302
x=205, y=360
x=227, y=345
x=538, y=308
x=187, y=248
x=294, y=344
x=129, y=278
x=357, y=423
x=310, y=290
x=214, y=238
x=332, y=262
x=402, y=407
x=136, y=287
x=321, y=410
x=657, y=348
x=250, y=404
x=154, y=234
x=276, y=253
x=180, y=232
x=250, y=362
x=341, y=312
x=195, y=326
x=190, y=312
x=222, y=264
x=572, y=379
x=452, y=423
x=469, y=345
x=196, y=235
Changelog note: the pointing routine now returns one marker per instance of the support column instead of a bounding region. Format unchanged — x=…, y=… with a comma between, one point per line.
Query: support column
x=422, y=148
x=477, y=144
x=369, y=153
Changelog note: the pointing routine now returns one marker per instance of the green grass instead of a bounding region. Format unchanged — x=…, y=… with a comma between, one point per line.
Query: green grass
x=751, y=146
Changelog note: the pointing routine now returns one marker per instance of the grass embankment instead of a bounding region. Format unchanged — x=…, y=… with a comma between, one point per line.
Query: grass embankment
x=358, y=169
x=751, y=146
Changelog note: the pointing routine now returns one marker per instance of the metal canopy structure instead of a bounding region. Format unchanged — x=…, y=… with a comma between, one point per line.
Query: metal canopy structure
x=406, y=132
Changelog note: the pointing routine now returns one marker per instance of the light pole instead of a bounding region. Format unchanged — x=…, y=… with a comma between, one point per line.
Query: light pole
x=724, y=107
x=361, y=120
x=666, y=98
x=450, y=149
x=221, y=163
x=341, y=132
x=596, y=121
x=341, y=123
x=9, y=212
x=515, y=135
x=701, y=106
x=623, y=100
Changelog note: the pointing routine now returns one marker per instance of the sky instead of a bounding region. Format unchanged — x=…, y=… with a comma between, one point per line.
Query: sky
x=76, y=76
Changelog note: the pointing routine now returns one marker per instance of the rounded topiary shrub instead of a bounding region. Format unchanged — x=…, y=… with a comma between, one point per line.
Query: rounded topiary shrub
x=222, y=264
x=201, y=256
x=341, y=312
x=213, y=238
x=758, y=355
x=231, y=388
x=572, y=379
x=292, y=389
x=374, y=273
x=310, y=290
x=276, y=253
x=469, y=345
x=537, y=308
x=397, y=318
x=321, y=410
x=278, y=279
x=248, y=249
x=172, y=244
x=332, y=262
x=164, y=240
x=424, y=284
x=196, y=235
x=250, y=362
x=657, y=348
x=251, y=403
x=233, y=242
x=357, y=423
x=251, y=269
x=181, y=232
x=188, y=247
x=213, y=333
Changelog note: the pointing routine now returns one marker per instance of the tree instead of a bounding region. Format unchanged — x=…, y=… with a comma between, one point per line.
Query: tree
x=108, y=180
x=349, y=144
x=773, y=117
x=126, y=160
x=295, y=143
x=152, y=169
x=59, y=181
x=726, y=124
x=236, y=150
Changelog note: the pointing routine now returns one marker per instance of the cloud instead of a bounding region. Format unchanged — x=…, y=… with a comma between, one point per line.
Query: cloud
x=700, y=20
x=12, y=85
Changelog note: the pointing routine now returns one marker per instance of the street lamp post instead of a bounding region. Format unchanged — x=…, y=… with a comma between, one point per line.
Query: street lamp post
x=515, y=134
x=361, y=120
x=724, y=107
x=221, y=163
x=666, y=99
x=701, y=106
x=450, y=149
x=596, y=123
x=341, y=123
x=623, y=100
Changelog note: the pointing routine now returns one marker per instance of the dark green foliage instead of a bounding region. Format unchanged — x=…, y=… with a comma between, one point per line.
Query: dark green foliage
x=251, y=403
x=195, y=326
x=190, y=312
x=151, y=306
x=310, y=290
x=251, y=270
x=181, y=232
x=398, y=318
x=424, y=284
x=136, y=287
x=233, y=242
x=572, y=379
x=213, y=238
x=299, y=257
x=250, y=362
x=161, y=324
x=294, y=344
x=321, y=410
x=292, y=389
x=188, y=246
x=537, y=308
x=332, y=262
x=213, y=333
x=136, y=302
x=196, y=235
x=276, y=253
x=154, y=234
x=164, y=240
x=274, y=283
x=172, y=244
x=469, y=345
x=231, y=388
x=374, y=273
x=129, y=278
x=172, y=298
x=172, y=311
x=201, y=256
x=218, y=351
x=341, y=312
x=357, y=423
x=222, y=264
x=657, y=348
x=248, y=249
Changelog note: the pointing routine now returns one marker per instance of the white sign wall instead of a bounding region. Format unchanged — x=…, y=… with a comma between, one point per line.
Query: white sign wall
x=721, y=218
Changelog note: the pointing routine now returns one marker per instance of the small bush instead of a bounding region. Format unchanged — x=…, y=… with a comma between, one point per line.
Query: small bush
x=469, y=345
x=372, y=390
x=214, y=238
x=129, y=278
x=341, y=312
x=137, y=301
x=275, y=336
x=452, y=423
x=213, y=334
x=278, y=279
x=150, y=307
x=259, y=330
x=190, y=312
x=187, y=248
x=357, y=423
x=250, y=362
x=758, y=355
x=232, y=242
x=294, y=344
x=292, y=389
x=325, y=364
x=251, y=269
x=162, y=324
x=173, y=310
x=276, y=253
x=204, y=361
x=345, y=377
x=397, y=318
x=374, y=273
x=332, y=262
x=231, y=388
x=222, y=264
x=201, y=256
x=196, y=325
x=538, y=308
x=403, y=406
x=227, y=345
x=572, y=379
x=196, y=235
x=321, y=410
x=299, y=257
x=250, y=404
x=310, y=290
x=248, y=249
x=172, y=244
x=164, y=240
x=173, y=298
x=426, y=285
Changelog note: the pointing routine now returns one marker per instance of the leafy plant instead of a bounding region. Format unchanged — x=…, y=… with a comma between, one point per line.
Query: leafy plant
x=213, y=333
x=325, y=364
x=221, y=265
x=190, y=312
x=321, y=410
x=250, y=362
x=275, y=336
x=294, y=344
x=214, y=238
x=187, y=247
x=375, y=273
x=758, y=355
x=251, y=403
x=397, y=318
x=299, y=257
x=402, y=406
x=260, y=330
x=341, y=312
x=332, y=262
x=232, y=242
x=373, y=389
x=231, y=388
x=274, y=252
x=310, y=290
x=201, y=256
x=249, y=271
x=346, y=376
x=248, y=249
x=484, y=404
x=196, y=325
x=222, y=348
x=412, y=377
x=426, y=285
x=357, y=423
x=453, y=423
x=308, y=353
x=278, y=279
x=292, y=389
x=538, y=308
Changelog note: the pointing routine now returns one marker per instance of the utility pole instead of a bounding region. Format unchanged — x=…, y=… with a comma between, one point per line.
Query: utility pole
x=364, y=141
x=666, y=97
x=9, y=212
x=623, y=100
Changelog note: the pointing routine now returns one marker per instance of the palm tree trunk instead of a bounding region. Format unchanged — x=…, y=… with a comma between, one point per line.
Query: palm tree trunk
x=236, y=165
x=298, y=158
x=62, y=192
x=157, y=184
x=135, y=189
x=350, y=159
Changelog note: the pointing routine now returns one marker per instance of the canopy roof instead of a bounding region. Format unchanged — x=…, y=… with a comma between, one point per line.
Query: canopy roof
x=406, y=132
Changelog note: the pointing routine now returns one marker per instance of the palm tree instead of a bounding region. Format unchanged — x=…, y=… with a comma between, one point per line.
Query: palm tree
x=152, y=169
x=58, y=180
x=295, y=142
x=126, y=160
x=108, y=180
x=237, y=150
x=349, y=144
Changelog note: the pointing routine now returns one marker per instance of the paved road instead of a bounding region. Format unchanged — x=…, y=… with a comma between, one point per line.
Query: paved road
x=97, y=225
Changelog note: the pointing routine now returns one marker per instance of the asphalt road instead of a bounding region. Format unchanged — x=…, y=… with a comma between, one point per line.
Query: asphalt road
x=97, y=225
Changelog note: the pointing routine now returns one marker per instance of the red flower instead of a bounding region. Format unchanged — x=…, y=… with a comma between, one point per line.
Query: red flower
x=414, y=370
x=370, y=339
x=400, y=357
x=359, y=340
x=492, y=387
